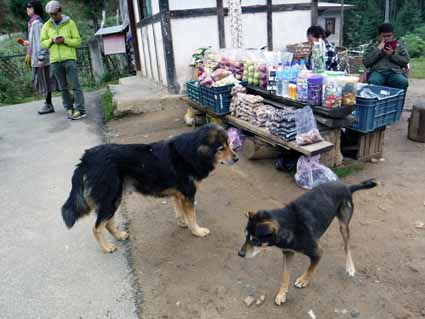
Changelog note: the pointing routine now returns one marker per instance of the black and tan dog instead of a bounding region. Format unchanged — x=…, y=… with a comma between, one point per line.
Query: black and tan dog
x=173, y=168
x=299, y=226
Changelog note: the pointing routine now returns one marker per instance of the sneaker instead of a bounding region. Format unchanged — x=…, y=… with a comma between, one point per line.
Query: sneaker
x=46, y=109
x=78, y=115
x=69, y=113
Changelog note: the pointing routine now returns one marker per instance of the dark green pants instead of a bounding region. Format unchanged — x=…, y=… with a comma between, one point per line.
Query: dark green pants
x=388, y=78
x=67, y=71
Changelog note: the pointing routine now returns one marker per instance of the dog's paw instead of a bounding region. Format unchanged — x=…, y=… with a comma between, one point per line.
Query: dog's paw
x=351, y=271
x=109, y=248
x=200, y=231
x=301, y=282
x=280, y=299
x=121, y=235
x=181, y=223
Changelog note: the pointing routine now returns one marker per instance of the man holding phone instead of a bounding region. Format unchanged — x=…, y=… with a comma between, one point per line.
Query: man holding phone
x=386, y=60
x=60, y=35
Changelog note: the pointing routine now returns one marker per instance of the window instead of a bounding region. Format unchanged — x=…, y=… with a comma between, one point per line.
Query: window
x=145, y=8
x=330, y=25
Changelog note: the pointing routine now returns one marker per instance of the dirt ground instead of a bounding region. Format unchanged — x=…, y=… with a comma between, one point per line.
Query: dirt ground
x=184, y=277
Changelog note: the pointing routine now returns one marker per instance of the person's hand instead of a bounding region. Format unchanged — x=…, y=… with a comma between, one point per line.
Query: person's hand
x=58, y=40
x=388, y=50
x=27, y=60
x=26, y=43
x=381, y=45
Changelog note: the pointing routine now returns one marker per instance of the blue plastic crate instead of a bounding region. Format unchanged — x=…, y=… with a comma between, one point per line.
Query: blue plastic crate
x=193, y=91
x=218, y=98
x=382, y=108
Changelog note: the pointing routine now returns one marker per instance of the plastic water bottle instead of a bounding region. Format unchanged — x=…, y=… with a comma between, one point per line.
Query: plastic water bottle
x=285, y=79
x=294, y=70
x=279, y=77
x=302, y=65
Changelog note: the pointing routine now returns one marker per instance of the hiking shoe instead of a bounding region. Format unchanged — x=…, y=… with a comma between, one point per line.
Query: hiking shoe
x=78, y=115
x=69, y=113
x=46, y=109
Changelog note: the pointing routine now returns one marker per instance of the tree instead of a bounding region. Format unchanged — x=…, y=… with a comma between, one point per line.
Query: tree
x=408, y=18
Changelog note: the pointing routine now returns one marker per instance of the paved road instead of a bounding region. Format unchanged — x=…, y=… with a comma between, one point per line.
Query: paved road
x=47, y=271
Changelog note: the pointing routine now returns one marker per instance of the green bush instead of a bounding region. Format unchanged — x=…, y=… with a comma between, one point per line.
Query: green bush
x=108, y=107
x=14, y=91
x=415, y=45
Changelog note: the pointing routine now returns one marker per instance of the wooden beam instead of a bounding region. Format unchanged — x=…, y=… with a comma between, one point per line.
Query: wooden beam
x=134, y=35
x=269, y=25
x=314, y=11
x=167, y=40
x=220, y=23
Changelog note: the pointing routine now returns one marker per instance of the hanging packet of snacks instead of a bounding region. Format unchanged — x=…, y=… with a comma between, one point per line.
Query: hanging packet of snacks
x=235, y=14
x=307, y=132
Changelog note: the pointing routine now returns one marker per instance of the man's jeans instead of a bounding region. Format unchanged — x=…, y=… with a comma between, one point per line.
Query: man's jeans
x=388, y=78
x=67, y=71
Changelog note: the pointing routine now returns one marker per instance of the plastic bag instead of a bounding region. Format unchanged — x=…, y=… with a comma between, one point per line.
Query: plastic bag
x=235, y=138
x=307, y=132
x=310, y=173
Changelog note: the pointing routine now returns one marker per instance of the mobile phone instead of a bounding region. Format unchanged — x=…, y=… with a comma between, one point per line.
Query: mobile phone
x=20, y=41
x=391, y=44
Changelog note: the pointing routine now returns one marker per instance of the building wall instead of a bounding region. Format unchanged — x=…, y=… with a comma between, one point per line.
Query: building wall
x=290, y=27
x=191, y=4
x=189, y=35
x=334, y=38
x=254, y=28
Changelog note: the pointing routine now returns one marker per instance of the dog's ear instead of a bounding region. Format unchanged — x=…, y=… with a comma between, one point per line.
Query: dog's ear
x=204, y=151
x=265, y=229
x=250, y=214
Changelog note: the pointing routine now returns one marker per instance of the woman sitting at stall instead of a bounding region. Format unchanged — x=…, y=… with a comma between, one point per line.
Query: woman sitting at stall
x=317, y=37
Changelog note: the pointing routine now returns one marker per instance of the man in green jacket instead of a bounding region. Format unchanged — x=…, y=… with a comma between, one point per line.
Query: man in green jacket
x=386, y=60
x=60, y=35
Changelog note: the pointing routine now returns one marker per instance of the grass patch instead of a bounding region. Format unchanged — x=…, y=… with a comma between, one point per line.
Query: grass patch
x=348, y=169
x=417, y=68
x=108, y=108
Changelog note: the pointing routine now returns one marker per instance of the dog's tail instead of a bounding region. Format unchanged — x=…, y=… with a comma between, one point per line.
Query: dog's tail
x=370, y=183
x=75, y=206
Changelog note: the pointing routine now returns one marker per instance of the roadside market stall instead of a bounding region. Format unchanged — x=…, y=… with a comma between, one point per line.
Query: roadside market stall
x=262, y=92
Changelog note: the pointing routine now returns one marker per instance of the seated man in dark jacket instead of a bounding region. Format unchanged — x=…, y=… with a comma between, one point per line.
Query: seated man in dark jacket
x=386, y=59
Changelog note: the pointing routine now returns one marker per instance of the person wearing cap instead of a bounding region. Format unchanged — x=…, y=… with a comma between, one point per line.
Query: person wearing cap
x=38, y=58
x=60, y=35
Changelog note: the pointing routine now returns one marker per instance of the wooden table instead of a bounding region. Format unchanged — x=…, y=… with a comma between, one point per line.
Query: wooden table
x=308, y=150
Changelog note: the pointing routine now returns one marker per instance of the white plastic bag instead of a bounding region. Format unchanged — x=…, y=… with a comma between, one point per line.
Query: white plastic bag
x=307, y=132
x=310, y=173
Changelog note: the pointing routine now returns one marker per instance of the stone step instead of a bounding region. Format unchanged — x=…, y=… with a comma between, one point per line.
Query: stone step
x=136, y=95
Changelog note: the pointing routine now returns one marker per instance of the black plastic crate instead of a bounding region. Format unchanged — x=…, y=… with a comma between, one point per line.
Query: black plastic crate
x=193, y=91
x=218, y=98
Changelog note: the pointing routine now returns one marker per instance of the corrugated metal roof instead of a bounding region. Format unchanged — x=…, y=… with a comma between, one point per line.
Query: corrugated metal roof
x=112, y=30
x=331, y=5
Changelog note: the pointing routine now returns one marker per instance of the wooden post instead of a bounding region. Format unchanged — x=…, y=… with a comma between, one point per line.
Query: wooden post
x=416, y=131
x=314, y=11
x=341, y=26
